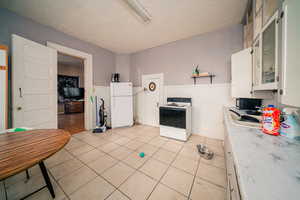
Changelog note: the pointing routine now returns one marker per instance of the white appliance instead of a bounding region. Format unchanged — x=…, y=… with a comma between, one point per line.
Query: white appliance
x=175, y=118
x=121, y=104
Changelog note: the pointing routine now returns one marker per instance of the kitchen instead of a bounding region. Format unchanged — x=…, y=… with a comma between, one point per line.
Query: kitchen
x=201, y=109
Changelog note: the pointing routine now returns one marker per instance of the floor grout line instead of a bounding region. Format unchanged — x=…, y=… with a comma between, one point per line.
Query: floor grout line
x=117, y=188
x=58, y=184
x=138, y=169
x=159, y=181
x=195, y=175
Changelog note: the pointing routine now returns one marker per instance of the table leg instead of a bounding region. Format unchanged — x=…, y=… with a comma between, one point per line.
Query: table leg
x=47, y=179
x=27, y=174
x=3, y=192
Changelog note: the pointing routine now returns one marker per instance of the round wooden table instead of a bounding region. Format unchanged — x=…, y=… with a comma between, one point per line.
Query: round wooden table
x=22, y=150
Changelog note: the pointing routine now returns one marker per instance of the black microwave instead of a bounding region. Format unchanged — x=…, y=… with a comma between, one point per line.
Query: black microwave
x=248, y=104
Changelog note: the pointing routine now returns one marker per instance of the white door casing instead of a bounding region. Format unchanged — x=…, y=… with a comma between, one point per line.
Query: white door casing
x=3, y=88
x=34, y=78
x=89, y=120
x=152, y=99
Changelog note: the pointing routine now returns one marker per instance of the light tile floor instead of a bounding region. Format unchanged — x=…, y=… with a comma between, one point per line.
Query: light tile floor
x=108, y=166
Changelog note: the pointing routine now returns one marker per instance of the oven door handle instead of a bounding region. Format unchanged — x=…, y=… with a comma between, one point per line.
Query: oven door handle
x=171, y=108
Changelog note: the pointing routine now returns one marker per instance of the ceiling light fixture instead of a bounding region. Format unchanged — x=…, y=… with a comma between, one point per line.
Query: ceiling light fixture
x=138, y=8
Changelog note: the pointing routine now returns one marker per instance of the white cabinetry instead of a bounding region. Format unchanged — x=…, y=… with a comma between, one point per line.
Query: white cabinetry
x=290, y=93
x=241, y=74
x=265, y=65
x=256, y=62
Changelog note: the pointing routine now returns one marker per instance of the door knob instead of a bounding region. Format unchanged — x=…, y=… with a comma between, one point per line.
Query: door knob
x=19, y=108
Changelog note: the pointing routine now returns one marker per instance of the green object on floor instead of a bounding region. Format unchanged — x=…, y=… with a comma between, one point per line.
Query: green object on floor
x=20, y=129
x=142, y=154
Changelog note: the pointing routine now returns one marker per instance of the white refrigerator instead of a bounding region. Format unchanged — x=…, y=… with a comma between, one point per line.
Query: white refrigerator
x=121, y=104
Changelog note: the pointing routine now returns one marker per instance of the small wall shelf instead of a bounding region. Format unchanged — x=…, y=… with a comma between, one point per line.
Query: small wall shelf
x=203, y=76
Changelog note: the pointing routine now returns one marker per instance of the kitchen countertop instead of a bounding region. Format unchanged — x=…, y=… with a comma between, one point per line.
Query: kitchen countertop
x=268, y=167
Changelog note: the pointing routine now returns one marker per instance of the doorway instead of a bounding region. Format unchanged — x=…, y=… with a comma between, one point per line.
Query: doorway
x=70, y=93
x=152, y=98
x=88, y=79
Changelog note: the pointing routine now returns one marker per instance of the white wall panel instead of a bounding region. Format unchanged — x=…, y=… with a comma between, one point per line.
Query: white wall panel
x=208, y=101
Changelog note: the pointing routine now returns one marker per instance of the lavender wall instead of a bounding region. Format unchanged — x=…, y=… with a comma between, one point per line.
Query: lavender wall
x=10, y=23
x=123, y=66
x=212, y=51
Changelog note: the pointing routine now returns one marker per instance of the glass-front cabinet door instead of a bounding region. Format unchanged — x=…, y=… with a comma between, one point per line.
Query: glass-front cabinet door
x=268, y=54
x=266, y=62
x=256, y=62
x=257, y=23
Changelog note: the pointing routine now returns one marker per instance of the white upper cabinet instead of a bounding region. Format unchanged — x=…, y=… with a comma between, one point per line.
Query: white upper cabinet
x=241, y=74
x=290, y=93
x=265, y=65
x=256, y=63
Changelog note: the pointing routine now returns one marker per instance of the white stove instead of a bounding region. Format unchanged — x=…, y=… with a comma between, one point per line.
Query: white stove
x=175, y=118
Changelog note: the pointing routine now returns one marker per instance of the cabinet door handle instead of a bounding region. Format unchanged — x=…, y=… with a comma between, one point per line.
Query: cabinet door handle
x=20, y=93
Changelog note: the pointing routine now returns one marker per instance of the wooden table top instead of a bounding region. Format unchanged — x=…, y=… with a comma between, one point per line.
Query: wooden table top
x=22, y=150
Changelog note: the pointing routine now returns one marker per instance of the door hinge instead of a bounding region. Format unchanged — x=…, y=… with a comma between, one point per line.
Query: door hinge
x=281, y=14
x=277, y=78
x=281, y=91
x=280, y=17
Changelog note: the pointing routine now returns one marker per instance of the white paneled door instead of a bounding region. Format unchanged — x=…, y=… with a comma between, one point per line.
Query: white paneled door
x=34, y=78
x=152, y=98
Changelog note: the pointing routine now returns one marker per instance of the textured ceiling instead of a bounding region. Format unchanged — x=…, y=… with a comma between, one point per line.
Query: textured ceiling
x=111, y=24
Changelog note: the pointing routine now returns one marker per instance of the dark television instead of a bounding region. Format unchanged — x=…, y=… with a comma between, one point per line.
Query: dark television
x=73, y=93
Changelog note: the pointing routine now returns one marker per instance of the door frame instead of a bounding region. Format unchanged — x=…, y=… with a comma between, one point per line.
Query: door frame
x=88, y=78
x=161, y=92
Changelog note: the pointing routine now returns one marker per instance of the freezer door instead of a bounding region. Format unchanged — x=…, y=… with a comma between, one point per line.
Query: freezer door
x=121, y=89
x=121, y=111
